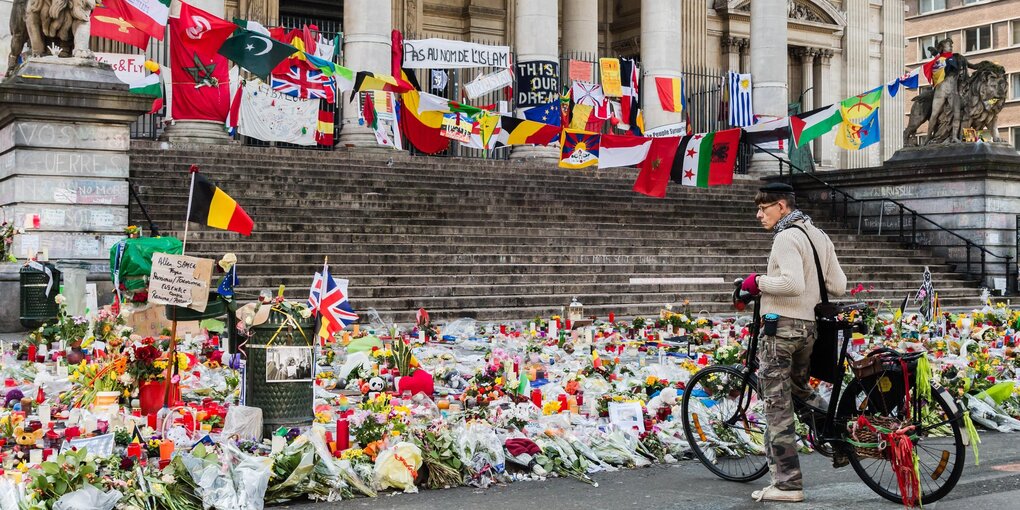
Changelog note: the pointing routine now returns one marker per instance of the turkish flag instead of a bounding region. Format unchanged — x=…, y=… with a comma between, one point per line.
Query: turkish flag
x=199, y=75
x=655, y=169
x=110, y=20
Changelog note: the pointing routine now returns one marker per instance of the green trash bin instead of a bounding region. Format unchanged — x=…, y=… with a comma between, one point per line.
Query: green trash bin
x=216, y=308
x=279, y=371
x=40, y=284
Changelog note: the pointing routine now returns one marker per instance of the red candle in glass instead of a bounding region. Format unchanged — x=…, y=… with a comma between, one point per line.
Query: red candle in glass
x=536, y=397
x=343, y=435
x=502, y=329
x=568, y=323
x=612, y=317
x=134, y=450
x=31, y=353
x=563, y=402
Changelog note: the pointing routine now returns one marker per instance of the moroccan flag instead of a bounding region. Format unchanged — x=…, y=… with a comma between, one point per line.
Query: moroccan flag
x=255, y=52
x=579, y=149
x=112, y=19
x=211, y=206
x=367, y=80
x=706, y=159
x=422, y=129
x=622, y=150
x=514, y=131
x=199, y=75
x=807, y=126
x=324, y=128
x=655, y=169
x=670, y=94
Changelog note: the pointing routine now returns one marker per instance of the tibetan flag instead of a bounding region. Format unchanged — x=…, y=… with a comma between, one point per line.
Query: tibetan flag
x=807, y=126
x=622, y=150
x=859, y=128
x=670, y=93
x=324, y=128
x=514, y=131
x=422, y=128
x=706, y=159
x=579, y=149
x=366, y=80
x=741, y=107
x=211, y=206
x=935, y=69
x=255, y=52
x=655, y=169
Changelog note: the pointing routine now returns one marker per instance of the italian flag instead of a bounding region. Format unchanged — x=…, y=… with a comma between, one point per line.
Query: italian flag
x=706, y=159
x=149, y=16
x=149, y=86
x=810, y=125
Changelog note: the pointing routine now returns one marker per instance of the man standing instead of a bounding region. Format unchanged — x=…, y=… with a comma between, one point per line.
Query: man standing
x=789, y=289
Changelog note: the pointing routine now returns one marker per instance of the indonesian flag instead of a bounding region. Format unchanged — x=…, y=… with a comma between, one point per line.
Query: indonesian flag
x=623, y=150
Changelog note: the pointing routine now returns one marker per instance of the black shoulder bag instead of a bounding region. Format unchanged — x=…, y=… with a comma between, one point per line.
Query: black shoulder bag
x=829, y=330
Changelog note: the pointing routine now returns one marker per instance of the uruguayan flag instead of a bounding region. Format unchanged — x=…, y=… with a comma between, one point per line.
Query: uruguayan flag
x=741, y=110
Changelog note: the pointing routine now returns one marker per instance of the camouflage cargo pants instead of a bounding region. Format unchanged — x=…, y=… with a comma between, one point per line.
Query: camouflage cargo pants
x=784, y=364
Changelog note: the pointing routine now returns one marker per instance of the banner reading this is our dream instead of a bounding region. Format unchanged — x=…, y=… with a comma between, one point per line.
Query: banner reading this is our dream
x=444, y=54
x=538, y=83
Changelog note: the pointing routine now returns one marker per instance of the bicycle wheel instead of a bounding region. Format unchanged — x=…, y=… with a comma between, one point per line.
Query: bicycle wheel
x=724, y=421
x=938, y=441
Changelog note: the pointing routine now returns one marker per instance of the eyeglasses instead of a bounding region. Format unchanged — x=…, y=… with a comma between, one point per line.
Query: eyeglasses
x=763, y=208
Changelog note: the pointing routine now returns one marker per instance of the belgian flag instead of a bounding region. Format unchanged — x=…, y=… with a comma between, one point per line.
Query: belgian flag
x=211, y=206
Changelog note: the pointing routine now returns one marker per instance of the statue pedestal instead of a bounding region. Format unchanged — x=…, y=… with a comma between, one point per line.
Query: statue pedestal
x=972, y=189
x=64, y=150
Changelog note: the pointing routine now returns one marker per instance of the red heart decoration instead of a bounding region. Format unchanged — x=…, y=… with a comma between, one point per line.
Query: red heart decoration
x=418, y=382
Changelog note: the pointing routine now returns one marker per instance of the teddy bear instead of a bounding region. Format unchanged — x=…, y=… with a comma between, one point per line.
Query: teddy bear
x=25, y=438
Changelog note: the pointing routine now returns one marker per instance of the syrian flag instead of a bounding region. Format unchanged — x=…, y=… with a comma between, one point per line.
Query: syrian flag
x=631, y=100
x=810, y=125
x=706, y=159
x=623, y=150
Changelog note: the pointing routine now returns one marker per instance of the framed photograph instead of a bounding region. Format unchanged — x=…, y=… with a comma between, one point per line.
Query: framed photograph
x=627, y=415
x=289, y=364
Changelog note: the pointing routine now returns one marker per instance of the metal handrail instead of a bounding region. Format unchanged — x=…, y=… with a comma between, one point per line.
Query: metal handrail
x=914, y=215
x=153, y=230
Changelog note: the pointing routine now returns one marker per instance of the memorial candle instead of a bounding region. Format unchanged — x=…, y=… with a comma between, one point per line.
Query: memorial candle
x=343, y=434
x=135, y=450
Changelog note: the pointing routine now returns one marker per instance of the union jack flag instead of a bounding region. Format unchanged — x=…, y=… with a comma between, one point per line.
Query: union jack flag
x=305, y=83
x=336, y=310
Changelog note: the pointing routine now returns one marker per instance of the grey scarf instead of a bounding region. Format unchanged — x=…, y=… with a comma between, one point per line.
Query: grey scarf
x=788, y=220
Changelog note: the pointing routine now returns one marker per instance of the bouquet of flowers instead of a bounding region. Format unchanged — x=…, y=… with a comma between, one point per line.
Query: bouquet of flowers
x=7, y=232
x=442, y=467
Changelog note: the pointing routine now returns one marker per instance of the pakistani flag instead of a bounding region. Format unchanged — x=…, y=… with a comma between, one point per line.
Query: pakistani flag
x=252, y=25
x=810, y=125
x=255, y=52
x=148, y=86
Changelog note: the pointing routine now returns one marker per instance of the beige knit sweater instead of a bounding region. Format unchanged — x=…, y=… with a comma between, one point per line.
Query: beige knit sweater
x=790, y=287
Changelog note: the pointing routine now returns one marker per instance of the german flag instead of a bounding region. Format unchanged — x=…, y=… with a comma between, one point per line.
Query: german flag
x=367, y=80
x=211, y=206
x=514, y=131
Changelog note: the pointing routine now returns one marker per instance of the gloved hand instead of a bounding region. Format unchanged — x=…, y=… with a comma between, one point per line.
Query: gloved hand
x=750, y=285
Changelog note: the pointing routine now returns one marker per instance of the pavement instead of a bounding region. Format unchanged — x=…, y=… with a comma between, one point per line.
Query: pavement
x=993, y=485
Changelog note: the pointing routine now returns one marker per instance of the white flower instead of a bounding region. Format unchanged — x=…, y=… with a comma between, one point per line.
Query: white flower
x=168, y=478
x=306, y=313
x=127, y=379
x=59, y=299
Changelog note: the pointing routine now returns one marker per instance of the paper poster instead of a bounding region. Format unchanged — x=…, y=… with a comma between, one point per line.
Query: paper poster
x=488, y=83
x=580, y=70
x=627, y=415
x=457, y=126
x=538, y=83
x=180, y=280
x=445, y=54
x=611, y=84
x=129, y=68
x=100, y=446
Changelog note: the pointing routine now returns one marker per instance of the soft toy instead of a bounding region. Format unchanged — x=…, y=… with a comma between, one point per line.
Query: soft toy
x=24, y=438
x=376, y=384
x=665, y=398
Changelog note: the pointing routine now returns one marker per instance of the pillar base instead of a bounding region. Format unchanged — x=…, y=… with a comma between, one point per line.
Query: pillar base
x=535, y=153
x=206, y=132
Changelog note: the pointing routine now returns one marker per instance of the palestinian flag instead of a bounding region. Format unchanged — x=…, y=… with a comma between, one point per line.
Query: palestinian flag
x=706, y=159
x=810, y=125
x=211, y=206
x=514, y=131
x=149, y=86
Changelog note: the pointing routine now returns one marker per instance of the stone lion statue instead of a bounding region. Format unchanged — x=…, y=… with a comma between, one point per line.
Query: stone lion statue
x=51, y=23
x=982, y=96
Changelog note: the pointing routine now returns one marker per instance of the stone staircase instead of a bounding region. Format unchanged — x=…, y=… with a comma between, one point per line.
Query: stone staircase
x=492, y=240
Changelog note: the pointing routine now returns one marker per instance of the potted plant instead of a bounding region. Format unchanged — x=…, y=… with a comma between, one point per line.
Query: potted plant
x=146, y=369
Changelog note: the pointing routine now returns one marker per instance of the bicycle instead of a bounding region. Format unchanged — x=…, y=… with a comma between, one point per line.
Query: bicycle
x=723, y=419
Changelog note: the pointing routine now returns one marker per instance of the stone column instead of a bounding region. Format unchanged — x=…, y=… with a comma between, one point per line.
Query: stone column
x=892, y=66
x=694, y=23
x=581, y=27
x=857, y=49
x=660, y=56
x=536, y=38
x=807, y=73
x=824, y=94
x=65, y=140
x=367, y=27
x=769, y=63
x=195, y=131
x=731, y=52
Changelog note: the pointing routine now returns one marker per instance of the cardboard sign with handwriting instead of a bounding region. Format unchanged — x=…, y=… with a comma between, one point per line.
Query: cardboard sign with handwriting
x=180, y=280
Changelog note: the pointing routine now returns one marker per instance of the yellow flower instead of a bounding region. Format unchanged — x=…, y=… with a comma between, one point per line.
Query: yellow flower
x=499, y=380
x=394, y=433
x=650, y=380
x=551, y=407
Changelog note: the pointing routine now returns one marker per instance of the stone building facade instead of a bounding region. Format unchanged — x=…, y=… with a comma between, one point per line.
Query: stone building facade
x=980, y=30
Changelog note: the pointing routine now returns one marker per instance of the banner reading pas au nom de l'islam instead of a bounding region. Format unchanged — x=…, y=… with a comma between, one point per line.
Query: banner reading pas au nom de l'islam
x=444, y=54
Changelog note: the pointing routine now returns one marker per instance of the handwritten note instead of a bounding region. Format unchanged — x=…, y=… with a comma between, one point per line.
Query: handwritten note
x=180, y=280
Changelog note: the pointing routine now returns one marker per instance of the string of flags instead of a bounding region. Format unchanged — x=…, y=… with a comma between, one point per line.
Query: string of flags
x=296, y=65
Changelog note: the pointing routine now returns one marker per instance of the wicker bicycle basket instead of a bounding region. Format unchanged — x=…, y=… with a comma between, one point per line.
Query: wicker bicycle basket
x=875, y=448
